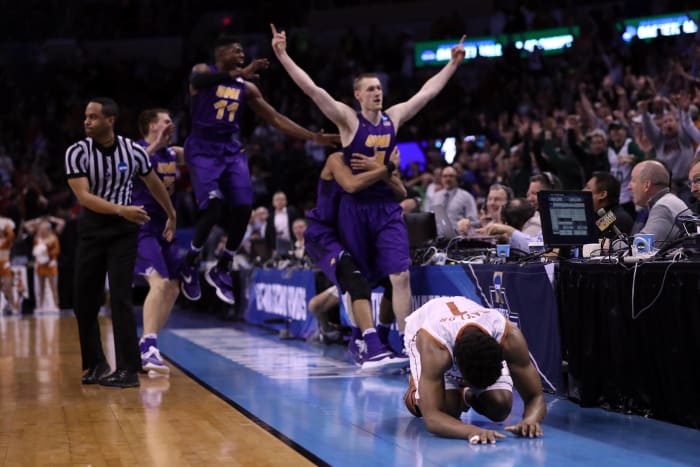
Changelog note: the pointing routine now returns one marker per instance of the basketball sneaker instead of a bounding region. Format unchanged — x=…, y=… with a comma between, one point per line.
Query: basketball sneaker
x=189, y=282
x=383, y=358
x=222, y=282
x=151, y=359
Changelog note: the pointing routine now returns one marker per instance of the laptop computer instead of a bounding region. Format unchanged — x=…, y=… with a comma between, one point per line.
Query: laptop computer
x=445, y=228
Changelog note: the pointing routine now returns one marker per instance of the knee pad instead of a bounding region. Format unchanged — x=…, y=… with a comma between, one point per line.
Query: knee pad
x=351, y=279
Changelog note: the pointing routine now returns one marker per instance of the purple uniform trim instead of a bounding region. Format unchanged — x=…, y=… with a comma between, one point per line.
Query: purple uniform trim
x=323, y=247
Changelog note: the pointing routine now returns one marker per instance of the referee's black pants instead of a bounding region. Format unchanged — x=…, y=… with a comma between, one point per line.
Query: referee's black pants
x=106, y=244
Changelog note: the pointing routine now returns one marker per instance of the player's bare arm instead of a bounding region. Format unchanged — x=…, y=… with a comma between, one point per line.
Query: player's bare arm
x=264, y=110
x=435, y=361
x=352, y=183
x=340, y=114
x=401, y=113
x=526, y=381
x=249, y=71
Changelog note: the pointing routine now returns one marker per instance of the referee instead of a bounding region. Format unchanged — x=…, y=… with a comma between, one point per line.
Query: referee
x=100, y=169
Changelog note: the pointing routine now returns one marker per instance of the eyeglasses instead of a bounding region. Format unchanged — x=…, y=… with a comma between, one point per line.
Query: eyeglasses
x=695, y=181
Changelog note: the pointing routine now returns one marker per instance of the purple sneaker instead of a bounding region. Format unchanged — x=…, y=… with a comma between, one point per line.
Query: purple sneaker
x=189, y=282
x=384, y=358
x=152, y=361
x=222, y=282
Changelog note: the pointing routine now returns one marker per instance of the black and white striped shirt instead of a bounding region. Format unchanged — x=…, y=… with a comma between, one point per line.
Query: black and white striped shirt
x=110, y=171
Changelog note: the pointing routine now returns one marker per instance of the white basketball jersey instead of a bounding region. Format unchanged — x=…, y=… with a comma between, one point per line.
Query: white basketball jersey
x=444, y=318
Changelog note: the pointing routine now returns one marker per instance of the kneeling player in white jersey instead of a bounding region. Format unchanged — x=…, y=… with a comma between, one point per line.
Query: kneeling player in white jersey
x=464, y=355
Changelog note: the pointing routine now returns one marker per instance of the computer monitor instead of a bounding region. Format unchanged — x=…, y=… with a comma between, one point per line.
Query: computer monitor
x=568, y=218
x=421, y=228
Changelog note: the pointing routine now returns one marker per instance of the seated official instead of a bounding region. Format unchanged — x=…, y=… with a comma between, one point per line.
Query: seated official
x=516, y=214
x=605, y=188
x=650, y=187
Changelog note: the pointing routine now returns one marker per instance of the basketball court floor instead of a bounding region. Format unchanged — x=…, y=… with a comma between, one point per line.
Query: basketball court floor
x=240, y=395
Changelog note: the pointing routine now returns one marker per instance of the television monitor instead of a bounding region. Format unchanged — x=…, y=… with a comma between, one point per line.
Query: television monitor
x=411, y=153
x=421, y=228
x=568, y=218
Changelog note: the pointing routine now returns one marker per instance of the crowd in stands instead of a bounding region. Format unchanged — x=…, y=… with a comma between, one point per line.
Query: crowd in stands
x=530, y=114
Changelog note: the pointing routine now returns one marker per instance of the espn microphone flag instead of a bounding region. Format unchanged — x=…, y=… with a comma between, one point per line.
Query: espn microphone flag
x=606, y=219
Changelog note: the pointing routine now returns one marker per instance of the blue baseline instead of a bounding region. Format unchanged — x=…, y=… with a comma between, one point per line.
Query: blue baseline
x=346, y=417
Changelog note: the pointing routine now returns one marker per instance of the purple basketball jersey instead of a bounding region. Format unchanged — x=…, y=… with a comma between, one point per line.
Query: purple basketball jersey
x=165, y=165
x=373, y=140
x=215, y=110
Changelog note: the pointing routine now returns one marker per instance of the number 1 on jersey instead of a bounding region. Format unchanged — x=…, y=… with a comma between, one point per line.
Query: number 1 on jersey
x=222, y=106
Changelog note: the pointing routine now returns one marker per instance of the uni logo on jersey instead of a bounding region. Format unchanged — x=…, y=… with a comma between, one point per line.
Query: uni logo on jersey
x=122, y=168
x=378, y=141
x=226, y=92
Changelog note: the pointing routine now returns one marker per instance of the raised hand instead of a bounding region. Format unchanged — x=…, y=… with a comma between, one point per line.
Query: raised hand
x=164, y=137
x=279, y=40
x=458, y=52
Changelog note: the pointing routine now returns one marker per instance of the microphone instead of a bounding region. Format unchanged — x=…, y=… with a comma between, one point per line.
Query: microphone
x=607, y=220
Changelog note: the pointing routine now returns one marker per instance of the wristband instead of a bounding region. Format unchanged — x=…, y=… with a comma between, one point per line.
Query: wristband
x=390, y=167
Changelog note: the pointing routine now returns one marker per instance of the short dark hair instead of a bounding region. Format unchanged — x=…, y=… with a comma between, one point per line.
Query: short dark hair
x=548, y=180
x=147, y=117
x=226, y=39
x=478, y=356
x=109, y=106
x=605, y=181
x=516, y=212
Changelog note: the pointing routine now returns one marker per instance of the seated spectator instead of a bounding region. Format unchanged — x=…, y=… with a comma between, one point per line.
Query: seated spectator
x=517, y=212
x=497, y=197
